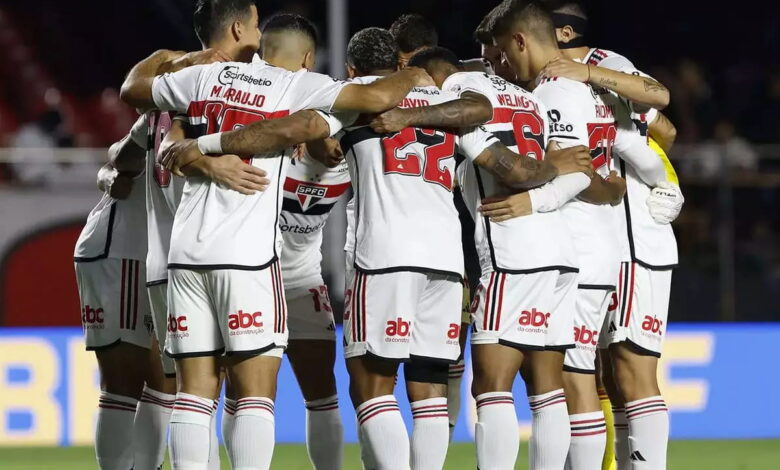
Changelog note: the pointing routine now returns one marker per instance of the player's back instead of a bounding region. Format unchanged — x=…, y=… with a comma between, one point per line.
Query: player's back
x=520, y=122
x=579, y=116
x=214, y=227
x=405, y=217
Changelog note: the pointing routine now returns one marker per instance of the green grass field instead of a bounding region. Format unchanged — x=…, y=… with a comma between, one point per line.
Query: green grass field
x=683, y=455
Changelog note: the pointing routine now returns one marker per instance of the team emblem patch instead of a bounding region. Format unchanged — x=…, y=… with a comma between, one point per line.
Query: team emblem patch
x=309, y=194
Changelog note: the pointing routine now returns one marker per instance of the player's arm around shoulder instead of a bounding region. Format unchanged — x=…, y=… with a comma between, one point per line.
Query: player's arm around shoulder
x=382, y=94
x=470, y=109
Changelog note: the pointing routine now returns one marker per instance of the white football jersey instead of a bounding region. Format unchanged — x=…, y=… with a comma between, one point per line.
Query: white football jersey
x=163, y=194
x=540, y=241
x=649, y=243
x=404, y=215
x=117, y=228
x=217, y=228
x=310, y=192
x=578, y=115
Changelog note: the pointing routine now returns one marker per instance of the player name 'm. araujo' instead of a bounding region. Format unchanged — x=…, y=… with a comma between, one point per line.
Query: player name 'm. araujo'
x=238, y=96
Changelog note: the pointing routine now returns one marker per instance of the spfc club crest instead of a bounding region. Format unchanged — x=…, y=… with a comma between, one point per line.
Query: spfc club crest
x=309, y=194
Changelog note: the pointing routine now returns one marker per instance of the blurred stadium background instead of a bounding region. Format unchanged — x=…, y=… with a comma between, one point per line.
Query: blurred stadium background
x=62, y=62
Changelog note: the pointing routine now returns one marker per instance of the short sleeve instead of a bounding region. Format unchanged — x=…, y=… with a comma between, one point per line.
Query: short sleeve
x=462, y=82
x=139, y=133
x=314, y=91
x=175, y=91
x=567, y=124
x=473, y=142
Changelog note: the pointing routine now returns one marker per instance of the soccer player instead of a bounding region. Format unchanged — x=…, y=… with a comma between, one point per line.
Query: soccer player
x=646, y=267
x=109, y=260
x=225, y=286
x=404, y=294
x=412, y=33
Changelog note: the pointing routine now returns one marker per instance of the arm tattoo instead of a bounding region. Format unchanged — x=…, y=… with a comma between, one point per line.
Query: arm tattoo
x=607, y=82
x=652, y=85
x=273, y=135
x=469, y=110
x=518, y=170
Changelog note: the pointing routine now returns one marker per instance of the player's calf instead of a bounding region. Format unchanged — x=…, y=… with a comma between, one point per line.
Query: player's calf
x=426, y=386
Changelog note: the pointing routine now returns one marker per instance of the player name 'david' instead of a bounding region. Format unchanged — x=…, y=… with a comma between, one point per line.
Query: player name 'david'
x=238, y=96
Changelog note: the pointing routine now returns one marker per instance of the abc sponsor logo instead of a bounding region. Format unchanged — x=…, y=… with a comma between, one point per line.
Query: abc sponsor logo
x=244, y=323
x=530, y=319
x=177, y=326
x=652, y=326
x=92, y=318
x=397, y=331
x=582, y=335
x=453, y=334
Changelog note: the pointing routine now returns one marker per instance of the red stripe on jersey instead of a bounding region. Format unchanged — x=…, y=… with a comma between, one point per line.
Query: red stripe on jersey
x=502, y=115
x=331, y=190
x=363, y=308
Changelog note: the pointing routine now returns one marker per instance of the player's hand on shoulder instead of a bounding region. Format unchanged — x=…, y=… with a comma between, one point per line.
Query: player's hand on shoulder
x=567, y=68
x=326, y=151
x=619, y=185
x=390, y=121
x=665, y=202
x=571, y=160
x=502, y=208
x=179, y=154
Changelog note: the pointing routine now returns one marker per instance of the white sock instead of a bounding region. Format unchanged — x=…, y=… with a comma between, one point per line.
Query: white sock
x=385, y=433
x=228, y=421
x=588, y=441
x=366, y=456
x=150, y=429
x=430, y=434
x=114, y=430
x=214, y=463
x=190, y=432
x=497, y=434
x=648, y=433
x=453, y=394
x=550, y=431
x=324, y=433
x=622, y=448
x=252, y=441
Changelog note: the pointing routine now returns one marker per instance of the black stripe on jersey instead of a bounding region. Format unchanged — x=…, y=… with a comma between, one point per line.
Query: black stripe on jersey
x=494, y=301
x=596, y=287
x=156, y=283
x=239, y=267
x=559, y=136
x=411, y=269
x=109, y=234
x=354, y=137
x=506, y=137
x=292, y=206
x=486, y=219
x=560, y=269
x=624, y=286
x=630, y=230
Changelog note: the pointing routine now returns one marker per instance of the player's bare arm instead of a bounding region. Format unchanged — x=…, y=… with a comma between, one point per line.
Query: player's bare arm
x=471, y=109
x=127, y=157
x=641, y=90
x=137, y=87
x=273, y=135
x=605, y=191
x=663, y=132
x=518, y=171
x=382, y=94
x=227, y=170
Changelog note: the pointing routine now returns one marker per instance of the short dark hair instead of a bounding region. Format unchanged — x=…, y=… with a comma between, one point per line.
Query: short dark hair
x=372, y=49
x=434, y=54
x=482, y=34
x=533, y=17
x=412, y=31
x=291, y=22
x=211, y=16
x=569, y=7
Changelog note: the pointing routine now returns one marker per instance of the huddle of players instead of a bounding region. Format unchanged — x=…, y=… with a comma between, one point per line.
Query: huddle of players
x=546, y=213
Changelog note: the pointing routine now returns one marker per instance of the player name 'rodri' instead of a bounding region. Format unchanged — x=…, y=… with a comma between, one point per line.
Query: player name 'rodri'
x=517, y=101
x=238, y=96
x=604, y=111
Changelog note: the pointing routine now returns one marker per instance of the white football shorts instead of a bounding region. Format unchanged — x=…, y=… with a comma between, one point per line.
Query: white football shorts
x=310, y=316
x=592, y=306
x=158, y=302
x=525, y=311
x=403, y=315
x=114, y=308
x=642, y=309
x=234, y=312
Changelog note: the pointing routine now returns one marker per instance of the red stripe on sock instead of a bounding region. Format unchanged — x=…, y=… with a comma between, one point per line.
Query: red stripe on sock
x=362, y=421
x=444, y=415
x=592, y=433
x=588, y=421
x=113, y=407
x=649, y=402
x=555, y=402
x=187, y=408
x=497, y=402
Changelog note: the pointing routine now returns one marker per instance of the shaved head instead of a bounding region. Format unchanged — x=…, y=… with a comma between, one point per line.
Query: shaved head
x=290, y=39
